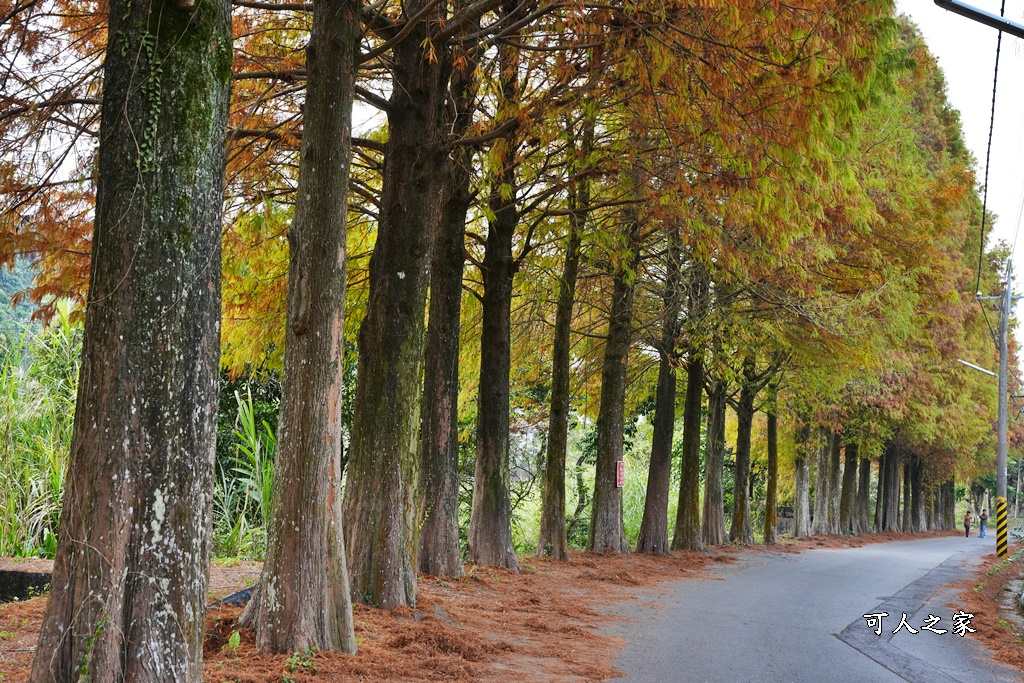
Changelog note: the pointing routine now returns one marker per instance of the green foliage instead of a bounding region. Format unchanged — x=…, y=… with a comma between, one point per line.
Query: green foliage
x=38, y=385
x=244, y=484
x=302, y=661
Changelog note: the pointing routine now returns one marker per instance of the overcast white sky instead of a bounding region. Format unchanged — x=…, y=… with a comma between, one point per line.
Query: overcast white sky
x=966, y=51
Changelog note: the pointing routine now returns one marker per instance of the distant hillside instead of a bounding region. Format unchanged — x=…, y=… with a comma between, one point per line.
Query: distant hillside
x=14, y=319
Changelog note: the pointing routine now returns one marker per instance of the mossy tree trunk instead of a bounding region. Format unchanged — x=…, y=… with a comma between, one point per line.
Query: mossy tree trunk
x=653, y=537
x=606, y=531
x=380, y=505
x=712, y=529
x=688, y=530
x=802, y=482
x=302, y=599
x=439, y=552
x=552, y=541
x=772, y=493
x=848, y=522
x=740, y=532
x=490, y=524
x=130, y=575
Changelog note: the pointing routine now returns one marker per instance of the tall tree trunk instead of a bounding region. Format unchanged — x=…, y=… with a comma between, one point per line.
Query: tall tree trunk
x=848, y=522
x=880, y=489
x=380, y=506
x=688, y=529
x=713, y=522
x=891, y=502
x=822, y=484
x=552, y=541
x=918, y=515
x=490, y=524
x=772, y=498
x=834, y=481
x=863, y=496
x=653, y=536
x=303, y=597
x=130, y=576
x=932, y=496
x=740, y=533
x=439, y=553
x=606, y=532
x=907, y=520
x=802, y=483
x=950, y=499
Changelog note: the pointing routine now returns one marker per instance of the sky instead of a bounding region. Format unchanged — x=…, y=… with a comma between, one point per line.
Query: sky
x=966, y=51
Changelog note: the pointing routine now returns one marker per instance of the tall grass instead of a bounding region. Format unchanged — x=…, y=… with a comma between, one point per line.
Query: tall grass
x=244, y=482
x=38, y=383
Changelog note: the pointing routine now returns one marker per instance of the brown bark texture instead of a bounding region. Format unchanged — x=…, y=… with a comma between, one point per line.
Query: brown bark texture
x=688, y=530
x=713, y=519
x=848, y=523
x=606, y=531
x=653, y=536
x=552, y=540
x=130, y=575
x=439, y=552
x=380, y=506
x=740, y=533
x=688, y=527
x=772, y=491
x=490, y=524
x=302, y=599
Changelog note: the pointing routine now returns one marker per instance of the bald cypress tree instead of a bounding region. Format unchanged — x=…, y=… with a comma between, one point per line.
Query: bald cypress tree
x=130, y=576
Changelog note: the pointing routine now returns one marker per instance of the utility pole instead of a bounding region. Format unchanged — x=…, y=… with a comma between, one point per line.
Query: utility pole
x=1004, y=372
x=1006, y=300
x=1014, y=29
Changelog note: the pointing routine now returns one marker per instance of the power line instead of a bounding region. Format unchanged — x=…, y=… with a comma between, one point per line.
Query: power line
x=988, y=151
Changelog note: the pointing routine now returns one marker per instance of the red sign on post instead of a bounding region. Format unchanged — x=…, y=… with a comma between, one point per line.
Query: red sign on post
x=620, y=473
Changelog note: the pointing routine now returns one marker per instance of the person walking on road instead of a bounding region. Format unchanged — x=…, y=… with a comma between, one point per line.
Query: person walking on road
x=967, y=524
x=982, y=521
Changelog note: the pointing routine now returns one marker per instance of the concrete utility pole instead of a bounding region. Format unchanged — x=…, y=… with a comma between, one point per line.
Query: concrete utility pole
x=1004, y=371
x=1006, y=300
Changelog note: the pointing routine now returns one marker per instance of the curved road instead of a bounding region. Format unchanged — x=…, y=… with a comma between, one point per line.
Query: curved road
x=799, y=617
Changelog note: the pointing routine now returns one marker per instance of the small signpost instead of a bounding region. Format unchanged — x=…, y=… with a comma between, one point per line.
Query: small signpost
x=620, y=473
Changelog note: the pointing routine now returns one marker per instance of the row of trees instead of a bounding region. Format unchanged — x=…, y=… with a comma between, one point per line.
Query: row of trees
x=575, y=201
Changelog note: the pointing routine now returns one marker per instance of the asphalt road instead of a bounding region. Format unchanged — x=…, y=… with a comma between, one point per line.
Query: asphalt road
x=799, y=617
